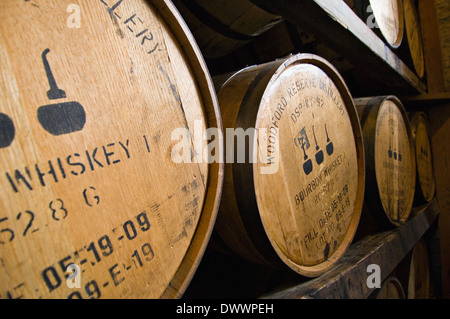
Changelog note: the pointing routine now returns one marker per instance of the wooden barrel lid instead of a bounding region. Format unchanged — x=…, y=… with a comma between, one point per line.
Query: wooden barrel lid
x=393, y=161
x=308, y=179
x=87, y=176
x=424, y=157
x=310, y=207
x=391, y=289
x=389, y=17
x=390, y=158
x=414, y=36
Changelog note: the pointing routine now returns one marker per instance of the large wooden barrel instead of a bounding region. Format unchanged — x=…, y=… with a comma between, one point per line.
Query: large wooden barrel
x=390, y=160
x=391, y=288
x=222, y=26
x=384, y=17
x=414, y=272
x=89, y=177
x=413, y=49
x=295, y=199
x=425, y=182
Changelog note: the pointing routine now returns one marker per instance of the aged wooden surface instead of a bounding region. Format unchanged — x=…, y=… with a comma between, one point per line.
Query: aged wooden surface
x=384, y=17
x=426, y=100
x=443, y=19
x=87, y=168
x=414, y=272
x=440, y=128
x=343, y=31
x=413, y=36
x=304, y=188
x=433, y=46
x=222, y=26
x=348, y=278
x=390, y=157
x=389, y=17
x=391, y=288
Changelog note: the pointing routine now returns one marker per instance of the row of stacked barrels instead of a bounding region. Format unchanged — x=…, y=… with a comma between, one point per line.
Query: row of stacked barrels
x=331, y=169
x=116, y=162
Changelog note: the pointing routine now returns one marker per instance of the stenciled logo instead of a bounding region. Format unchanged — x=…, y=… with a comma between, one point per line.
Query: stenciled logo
x=239, y=148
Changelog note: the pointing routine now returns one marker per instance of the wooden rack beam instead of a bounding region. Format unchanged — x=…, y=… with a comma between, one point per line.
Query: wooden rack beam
x=348, y=278
x=343, y=31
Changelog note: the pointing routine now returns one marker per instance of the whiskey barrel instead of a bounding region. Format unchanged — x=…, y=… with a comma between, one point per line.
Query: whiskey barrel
x=412, y=51
x=391, y=288
x=414, y=272
x=384, y=17
x=293, y=194
x=390, y=161
x=419, y=274
x=92, y=188
x=389, y=18
x=425, y=182
x=222, y=26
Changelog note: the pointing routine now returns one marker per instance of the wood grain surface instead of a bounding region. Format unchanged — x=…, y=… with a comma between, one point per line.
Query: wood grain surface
x=390, y=158
x=413, y=36
x=302, y=197
x=88, y=176
x=425, y=181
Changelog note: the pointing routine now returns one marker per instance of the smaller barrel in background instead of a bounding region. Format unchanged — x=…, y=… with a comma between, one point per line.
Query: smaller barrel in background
x=389, y=17
x=222, y=26
x=90, y=151
x=286, y=38
x=390, y=162
x=425, y=182
x=391, y=288
x=299, y=203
